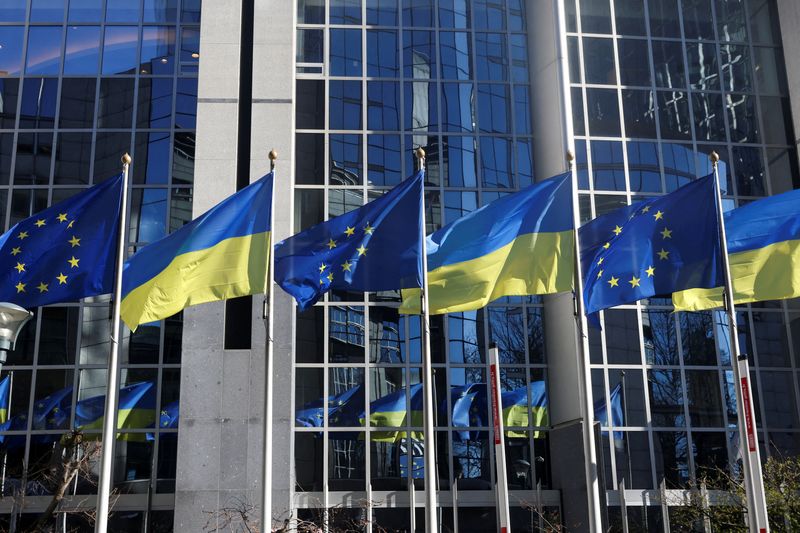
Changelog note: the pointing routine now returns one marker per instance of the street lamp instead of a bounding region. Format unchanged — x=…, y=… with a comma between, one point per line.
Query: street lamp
x=12, y=319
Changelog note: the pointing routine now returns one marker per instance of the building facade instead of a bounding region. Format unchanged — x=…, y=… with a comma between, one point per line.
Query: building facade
x=496, y=92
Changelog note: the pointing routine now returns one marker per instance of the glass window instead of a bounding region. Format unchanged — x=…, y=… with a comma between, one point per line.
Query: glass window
x=770, y=72
x=493, y=108
x=190, y=50
x=85, y=10
x=383, y=105
x=777, y=395
x=458, y=112
x=697, y=20
x=13, y=10
x=308, y=208
x=152, y=157
x=120, y=49
x=345, y=11
x=664, y=20
x=489, y=14
x=709, y=120
x=771, y=339
x=731, y=23
x=630, y=17
x=457, y=204
x=456, y=54
x=382, y=12
x=310, y=44
x=603, y=110
x=44, y=50
x=121, y=11
x=77, y=103
x=598, y=59
x=622, y=336
x=310, y=11
x=492, y=59
x=673, y=109
x=639, y=108
x=148, y=215
x=34, y=155
x=382, y=61
x=749, y=171
x=155, y=102
x=6, y=153
x=345, y=105
x=777, y=130
x=465, y=339
x=710, y=451
x=419, y=54
x=345, y=55
x=595, y=16
x=419, y=13
x=115, y=109
x=38, y=103
x=454, y=13
x=634, y=63
x=666, y=398
x=11, y=51
x=578, y=118
x=704, y=400
x=346, y=162
x=459, y=161
x=522, y=111
x=735, y=62
x=703, y=73
x=160, y=10
x=158, y=50
x=420, y=107
x=524, y=153
x=496, y=160
x=764, y=22
x=47, y=10
x=643, y=167
x=310, y=103
x=346, y=335
x=742, y=120
x=82, y=53
x=668, y=64
x=384, y=159
x=507, y=330
x=186, y=104
x=310, y=158
x=107, y=152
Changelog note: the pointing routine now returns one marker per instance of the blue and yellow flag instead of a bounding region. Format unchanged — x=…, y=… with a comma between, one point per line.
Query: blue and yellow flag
x=344, y=409
x=221, y=254
x=376, y=247
x=764, y=253
x=601, y=411
x=65, y=252
x=653, y=248
x=136, y=409
x=471, y=409
x=518, y=245
x=391, y=411
x=50, y=412
x=170, y=414
x=5, y=389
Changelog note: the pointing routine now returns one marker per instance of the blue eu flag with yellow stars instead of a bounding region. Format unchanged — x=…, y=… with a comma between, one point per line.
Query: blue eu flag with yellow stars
x=65, y=252
x=376, y=247
x=653, y=248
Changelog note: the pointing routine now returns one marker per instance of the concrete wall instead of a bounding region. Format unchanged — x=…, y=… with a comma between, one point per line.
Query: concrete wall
x=789, y=16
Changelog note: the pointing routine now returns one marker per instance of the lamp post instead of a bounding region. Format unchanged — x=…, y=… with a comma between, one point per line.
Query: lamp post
x=12, y=319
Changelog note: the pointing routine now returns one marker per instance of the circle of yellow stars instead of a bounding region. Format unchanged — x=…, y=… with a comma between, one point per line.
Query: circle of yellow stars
x=650, y=271
x=72, y=263
x=326, y=271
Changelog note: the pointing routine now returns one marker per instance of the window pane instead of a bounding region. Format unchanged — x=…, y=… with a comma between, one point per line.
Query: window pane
x=120, y=49
x=664, y=18
x=595, y=16
x=382, y=54
x=750, y=176
x=489, y=14
x=152, y=153
x=496, y=160
x=11, y=52
x=34, y=155
x=107, y=153
x=742, y=120
x=346, y=162
x=311, y=12
x=704, y=400
x=697, y=20
x=643, y=167
x=85, y=10
x=346, y=339
x=709, y=120
x=420, y=106
x=310, y=158
x=77, y=103
x=155, y=103
x=345, y=56
x=383, y=105
x=493, y=108
x=382, y=12
x=148, y=215
x=456, y=52
x=703, y=73
x=634, y=63
x=668, y=64
x=673, y=108
x=419, y=54
x=418, y=13
x=454, y=13
x=492, y=58
x=44, y=50
x=39, y=103
x=13, y=10
x=731, y=24
x=345, y=11
x=383, y=159
x=598, y=58
x=459, y=161
x=160, y=10
x=158, y=50
x=309, y=46
x=666, y=398
x=122, y=11
x=603, y=112
x=630, y=17
x=115, y=107
x=83, y=50
x=458, y=112
x=345, y=105
x=640, y=113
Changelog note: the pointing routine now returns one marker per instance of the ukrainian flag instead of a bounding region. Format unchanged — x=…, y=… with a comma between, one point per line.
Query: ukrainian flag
x=390, y=412
x=515, y=409
x=222, y=254
x=5, y=389
x=137, y=409
x=518, y=245
x=764, y=253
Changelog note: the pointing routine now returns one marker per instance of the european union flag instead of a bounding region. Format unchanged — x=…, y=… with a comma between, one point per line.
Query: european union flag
x=374, y=248
x=653, y=248
x=136, y=408
x=65, y=252
x=617, y=414
x=344, y=409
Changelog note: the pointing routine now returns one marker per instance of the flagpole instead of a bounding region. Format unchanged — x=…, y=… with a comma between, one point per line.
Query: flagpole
x=8, y=417
x=499, y=442
x=589, y=447
x=427, y=380
x=751, y=464
x=112, y=383
x=266, y=471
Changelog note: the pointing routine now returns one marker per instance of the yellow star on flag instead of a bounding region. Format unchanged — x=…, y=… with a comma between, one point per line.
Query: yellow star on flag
x=322, y=268
x=74, y=241
x=71, y=222
x=62, y=217
x=330, y=276
x=646, y=209
x=349, y=231
x=361, y=250
x=40, y=223
x=617, y=230
x=659, y=215
x=42, y=286
x=62, y=279
x=322, y=282
x=613, y=282
x=600, y=261
x=368, y=229
x=73, y=263
x=663, y=254
x=634, y=282
x=20, y=287
x=600, y=274
x=16, y=250
x=346, y=266
x=20, y=267
x=331, y=244
x=607, y=245
x=22, y=235
x=667, y=233
x=651, y=271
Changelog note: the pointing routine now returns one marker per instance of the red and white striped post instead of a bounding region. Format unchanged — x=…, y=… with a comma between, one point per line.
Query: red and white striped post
x=499, y=442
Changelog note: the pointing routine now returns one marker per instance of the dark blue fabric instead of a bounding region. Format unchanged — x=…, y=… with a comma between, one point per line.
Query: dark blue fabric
x=615, y=264
x=374, y=248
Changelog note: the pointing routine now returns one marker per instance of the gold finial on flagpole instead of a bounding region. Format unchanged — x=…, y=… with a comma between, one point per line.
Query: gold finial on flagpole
x=714, y=157
x=126, y=159
x=570, y=156
x=273, y=156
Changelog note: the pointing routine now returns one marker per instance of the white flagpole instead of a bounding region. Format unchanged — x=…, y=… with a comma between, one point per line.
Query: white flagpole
x=499, y=442
x=751, y=464
x=266, y=502
x=589, y=448
x=112, y=383
x=8, y=417
x=431, y=522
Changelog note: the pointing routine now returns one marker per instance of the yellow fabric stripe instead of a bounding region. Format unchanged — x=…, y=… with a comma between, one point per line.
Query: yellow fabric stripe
x=769, y=273
x=136, y=418
x=535, y=263
x=233, y=267
x=517, y=416
x=3, y=415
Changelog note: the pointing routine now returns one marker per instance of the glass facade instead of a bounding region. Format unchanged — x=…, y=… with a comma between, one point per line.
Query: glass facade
x=81, y=83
